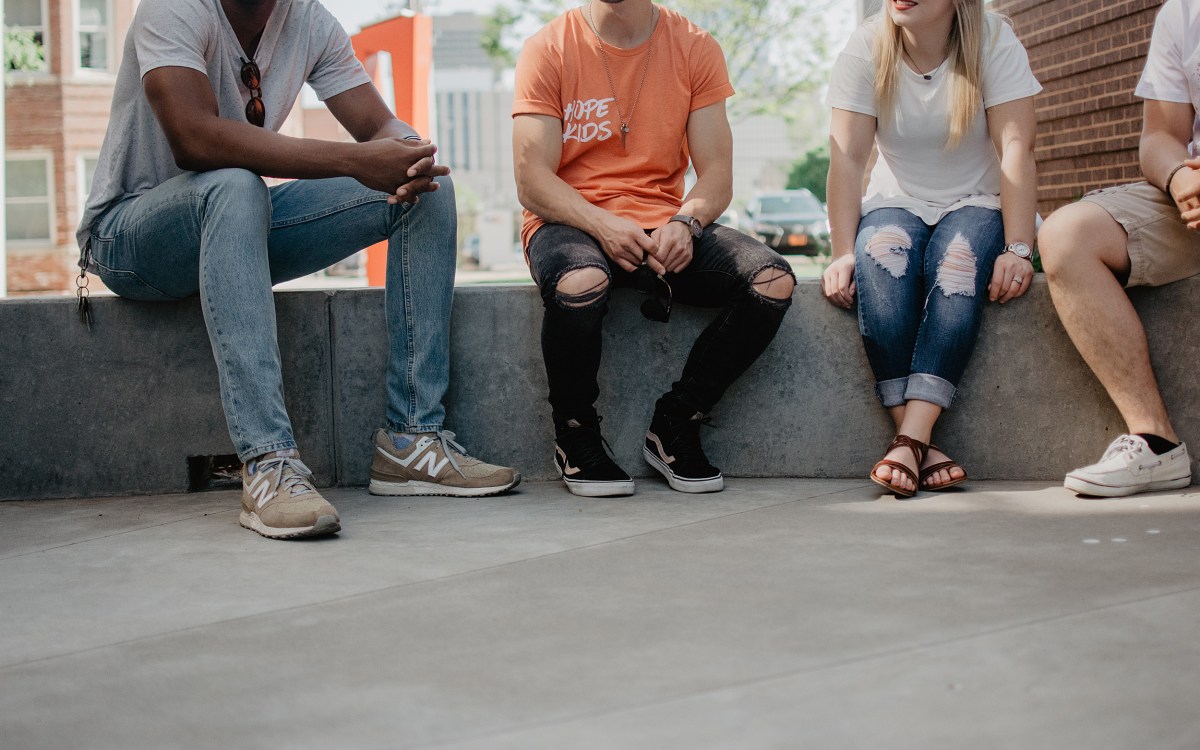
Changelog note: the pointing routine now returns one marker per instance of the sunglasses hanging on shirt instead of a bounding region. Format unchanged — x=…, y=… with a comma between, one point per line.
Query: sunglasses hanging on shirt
x=256, y=111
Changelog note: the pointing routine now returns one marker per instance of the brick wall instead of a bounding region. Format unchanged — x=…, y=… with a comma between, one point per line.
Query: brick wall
x=1088, y=55
x=62, y=113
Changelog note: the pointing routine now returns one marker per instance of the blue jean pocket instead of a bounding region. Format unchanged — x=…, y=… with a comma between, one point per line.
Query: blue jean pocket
x=129, y=285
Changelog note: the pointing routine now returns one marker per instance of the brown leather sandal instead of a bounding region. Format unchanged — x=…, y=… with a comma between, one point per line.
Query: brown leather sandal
x=918, y=450
x=929, y=471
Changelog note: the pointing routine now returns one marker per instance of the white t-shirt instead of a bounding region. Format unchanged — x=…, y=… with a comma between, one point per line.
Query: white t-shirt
x=302, y=42
x=1172, y=72
x=914, y=170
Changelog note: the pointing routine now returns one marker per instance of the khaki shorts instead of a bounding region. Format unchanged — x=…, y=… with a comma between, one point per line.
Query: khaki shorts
x=1161, y=247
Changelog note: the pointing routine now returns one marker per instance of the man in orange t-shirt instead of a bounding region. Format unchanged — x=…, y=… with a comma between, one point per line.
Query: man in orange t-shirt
x=612, y=100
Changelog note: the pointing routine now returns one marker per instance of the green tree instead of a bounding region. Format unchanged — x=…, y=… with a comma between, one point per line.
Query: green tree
x=811, y=172
x=22, y=51
x=776, y=49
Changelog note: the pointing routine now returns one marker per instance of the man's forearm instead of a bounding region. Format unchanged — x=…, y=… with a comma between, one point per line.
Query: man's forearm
x=709, y=197
x=394, y=128
x=220, y=143
x=1159, y=153
x=550, y=198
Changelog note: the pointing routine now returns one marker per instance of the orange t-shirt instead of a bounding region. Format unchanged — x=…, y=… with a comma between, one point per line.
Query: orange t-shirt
x=560, y=74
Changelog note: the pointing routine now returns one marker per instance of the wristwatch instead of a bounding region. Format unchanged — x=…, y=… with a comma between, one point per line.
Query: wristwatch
x=1020, y=249
x=693, y=224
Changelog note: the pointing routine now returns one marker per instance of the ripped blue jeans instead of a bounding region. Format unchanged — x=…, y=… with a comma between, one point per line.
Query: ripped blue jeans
x=921, y=291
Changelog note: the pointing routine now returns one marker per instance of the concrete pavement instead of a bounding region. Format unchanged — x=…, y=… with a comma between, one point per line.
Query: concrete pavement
x=777, y=614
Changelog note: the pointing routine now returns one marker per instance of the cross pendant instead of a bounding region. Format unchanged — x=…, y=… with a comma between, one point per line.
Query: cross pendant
x=624, y=130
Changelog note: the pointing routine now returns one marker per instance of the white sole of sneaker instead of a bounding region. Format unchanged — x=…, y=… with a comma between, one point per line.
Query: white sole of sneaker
x=679, y=484
x=324, y=525
x=599, y=489
x=1084, y=487
x=413, y=487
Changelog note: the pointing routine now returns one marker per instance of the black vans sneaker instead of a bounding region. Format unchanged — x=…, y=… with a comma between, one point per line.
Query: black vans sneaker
x=673, y=448
x=586, y=467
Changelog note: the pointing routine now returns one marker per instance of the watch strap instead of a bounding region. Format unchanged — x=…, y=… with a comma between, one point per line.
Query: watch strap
x=692, y=222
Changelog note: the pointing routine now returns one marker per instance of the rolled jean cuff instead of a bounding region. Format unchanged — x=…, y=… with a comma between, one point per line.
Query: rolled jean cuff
x=415, y=429
x=931, y=388
x=891, y=392
x=281, y=445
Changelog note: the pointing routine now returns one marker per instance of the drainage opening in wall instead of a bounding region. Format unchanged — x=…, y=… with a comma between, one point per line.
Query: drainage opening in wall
x=206, y=473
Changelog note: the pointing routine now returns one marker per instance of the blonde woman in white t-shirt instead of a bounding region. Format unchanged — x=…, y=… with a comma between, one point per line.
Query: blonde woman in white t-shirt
x=944, y=91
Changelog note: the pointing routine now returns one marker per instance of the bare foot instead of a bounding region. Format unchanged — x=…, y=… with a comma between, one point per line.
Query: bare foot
x=942, y=477
x=903, y=455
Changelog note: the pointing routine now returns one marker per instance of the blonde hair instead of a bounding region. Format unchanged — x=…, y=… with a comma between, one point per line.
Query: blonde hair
x=964, y=65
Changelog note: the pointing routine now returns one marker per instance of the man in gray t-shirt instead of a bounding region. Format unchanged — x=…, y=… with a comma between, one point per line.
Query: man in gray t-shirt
x=178, y=207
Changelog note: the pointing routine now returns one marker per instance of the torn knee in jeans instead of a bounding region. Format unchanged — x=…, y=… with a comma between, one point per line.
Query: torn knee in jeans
x=889, y=247
x=773, y=283
x=956, y=272
x=582, y=287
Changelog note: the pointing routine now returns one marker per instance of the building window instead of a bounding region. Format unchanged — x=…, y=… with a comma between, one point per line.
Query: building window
x=29, y=18
x=95, y=18
x=27, y=200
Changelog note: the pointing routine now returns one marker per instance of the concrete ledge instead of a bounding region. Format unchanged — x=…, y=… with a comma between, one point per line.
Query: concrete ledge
x=119, y=410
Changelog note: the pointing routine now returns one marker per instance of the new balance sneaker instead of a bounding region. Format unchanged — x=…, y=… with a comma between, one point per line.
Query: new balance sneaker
x=585, y=464
x=433, y=464
x=280, y=502
x=1129, y=467
x=673, y=448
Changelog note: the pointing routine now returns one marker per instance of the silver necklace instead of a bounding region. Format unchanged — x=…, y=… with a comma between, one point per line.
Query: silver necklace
x=608, y=72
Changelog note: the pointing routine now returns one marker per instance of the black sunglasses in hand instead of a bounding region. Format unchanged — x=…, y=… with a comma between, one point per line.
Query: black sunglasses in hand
x=646, y=281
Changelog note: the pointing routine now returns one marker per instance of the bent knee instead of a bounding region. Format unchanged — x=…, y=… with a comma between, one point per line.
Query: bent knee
x=240, y=181
x=234, y=193
x=774, y=283
x=1078, y=233
x=582, y=287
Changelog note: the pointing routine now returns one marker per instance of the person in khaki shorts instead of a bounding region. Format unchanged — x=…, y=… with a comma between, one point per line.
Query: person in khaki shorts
x=1144, y=234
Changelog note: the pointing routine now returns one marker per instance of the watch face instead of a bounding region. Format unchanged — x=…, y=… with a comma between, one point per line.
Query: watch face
x=1021, y=250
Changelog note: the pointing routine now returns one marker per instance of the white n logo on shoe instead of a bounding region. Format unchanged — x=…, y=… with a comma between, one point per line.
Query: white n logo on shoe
x=260, y=489
x=426, y=460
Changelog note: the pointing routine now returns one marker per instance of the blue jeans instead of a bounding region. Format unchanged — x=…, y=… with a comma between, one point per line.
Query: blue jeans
x=921, y=290
x=228, y=237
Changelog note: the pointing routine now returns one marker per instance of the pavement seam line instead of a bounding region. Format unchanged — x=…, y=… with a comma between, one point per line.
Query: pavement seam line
x=769, y=678
x=397, y=587
x=114, y=534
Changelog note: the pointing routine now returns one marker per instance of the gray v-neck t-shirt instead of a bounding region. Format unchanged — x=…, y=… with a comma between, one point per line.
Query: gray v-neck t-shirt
x=302, y=43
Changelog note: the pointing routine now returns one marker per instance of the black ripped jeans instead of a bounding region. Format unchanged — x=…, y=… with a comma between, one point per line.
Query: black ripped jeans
x=724, y=265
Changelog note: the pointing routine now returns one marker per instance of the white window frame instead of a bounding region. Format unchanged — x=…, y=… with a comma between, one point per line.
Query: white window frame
x=48, y=158
x=45, y=29
x=110, y=29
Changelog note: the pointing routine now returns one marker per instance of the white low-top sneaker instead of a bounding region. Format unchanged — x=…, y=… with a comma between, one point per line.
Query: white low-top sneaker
x=1129, y=467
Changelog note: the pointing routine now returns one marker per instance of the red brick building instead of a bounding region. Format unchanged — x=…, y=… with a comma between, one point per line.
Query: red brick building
x=1088, y=54
x=55, y=121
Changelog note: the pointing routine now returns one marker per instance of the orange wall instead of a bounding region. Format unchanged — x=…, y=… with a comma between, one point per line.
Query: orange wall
x=409, y=39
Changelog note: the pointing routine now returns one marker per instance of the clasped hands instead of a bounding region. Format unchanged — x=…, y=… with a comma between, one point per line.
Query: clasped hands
x=667, y=249
x=401, y=168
